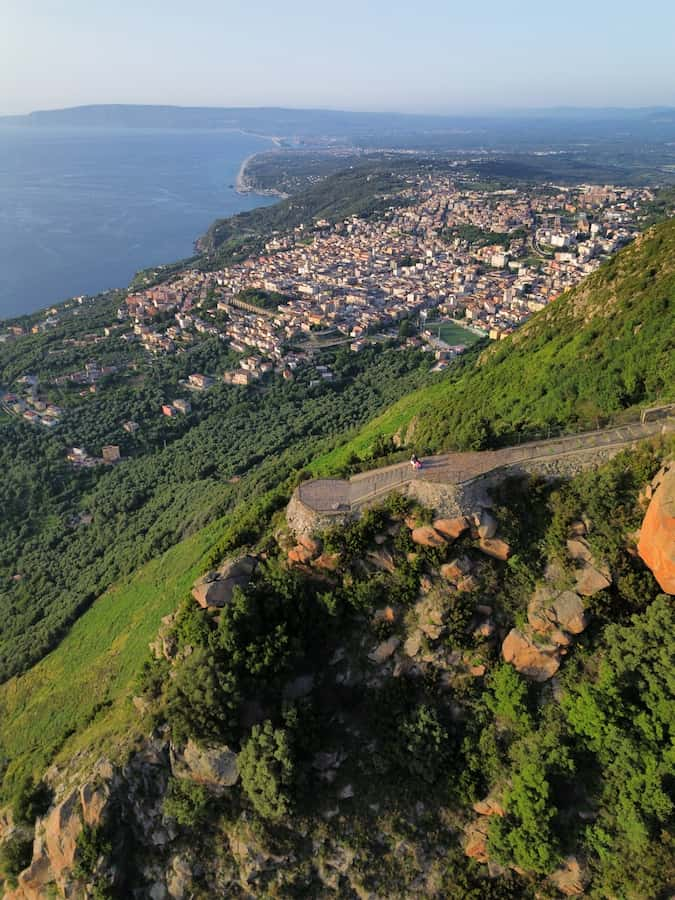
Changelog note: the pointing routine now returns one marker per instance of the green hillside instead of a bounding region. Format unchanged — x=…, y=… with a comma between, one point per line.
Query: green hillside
x=597, y=354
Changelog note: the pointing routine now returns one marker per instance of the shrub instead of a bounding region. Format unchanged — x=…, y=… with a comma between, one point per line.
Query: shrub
x=15, y=856
x=267, y=770
x=186, y=802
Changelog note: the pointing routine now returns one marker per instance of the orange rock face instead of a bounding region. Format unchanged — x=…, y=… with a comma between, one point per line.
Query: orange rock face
x=657, y=535
x=452, y=528
x=495, y=548
x=426, y=536
x=537, y=661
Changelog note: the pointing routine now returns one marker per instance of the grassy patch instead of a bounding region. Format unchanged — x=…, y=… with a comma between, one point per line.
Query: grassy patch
x=79, y=696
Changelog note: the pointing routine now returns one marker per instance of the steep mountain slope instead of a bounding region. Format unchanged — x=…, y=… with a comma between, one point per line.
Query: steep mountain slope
x=240, y=770
x=598, y=353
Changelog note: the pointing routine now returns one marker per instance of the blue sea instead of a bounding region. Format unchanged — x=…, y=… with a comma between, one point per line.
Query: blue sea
x=82, y=210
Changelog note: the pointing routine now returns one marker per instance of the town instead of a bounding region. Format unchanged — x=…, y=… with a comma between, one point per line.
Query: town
x=445, y=266
x=483, y=260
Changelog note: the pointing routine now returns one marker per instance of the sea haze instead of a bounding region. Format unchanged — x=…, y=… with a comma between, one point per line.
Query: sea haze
x=82, y=209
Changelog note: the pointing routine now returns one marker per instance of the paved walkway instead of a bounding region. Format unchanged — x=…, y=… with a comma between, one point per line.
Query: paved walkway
x=334, y=495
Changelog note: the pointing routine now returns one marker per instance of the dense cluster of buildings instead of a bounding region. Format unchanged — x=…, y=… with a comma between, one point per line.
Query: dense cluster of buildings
x=485, y=259
x=490, y=258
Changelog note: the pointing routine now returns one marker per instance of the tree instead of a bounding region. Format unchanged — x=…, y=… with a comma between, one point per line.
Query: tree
x=186, y=802
x=267, y=771
x=507, y=698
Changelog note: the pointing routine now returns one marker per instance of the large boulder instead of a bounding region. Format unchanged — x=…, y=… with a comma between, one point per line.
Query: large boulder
x=589, y=579
x=571, y=878
x=489, y=807
x=486, y=525
x=215, y=589
x=657, y=535
x=451, y=529
x=537, y=661
x=215, y=766
x=475, y=845
x=383, y=651
x=426, y=536
x=578, y=548
x=456, y=569
x=495, y=548
x=550, y=610
x=300, y=555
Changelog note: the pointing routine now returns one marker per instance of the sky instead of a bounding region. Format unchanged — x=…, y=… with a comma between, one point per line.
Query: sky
x=439, y=56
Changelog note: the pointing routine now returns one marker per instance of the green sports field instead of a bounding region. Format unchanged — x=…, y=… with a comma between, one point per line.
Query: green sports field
x=453, y=334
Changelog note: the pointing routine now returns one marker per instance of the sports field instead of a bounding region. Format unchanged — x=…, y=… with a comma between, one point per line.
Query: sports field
x=453, y=334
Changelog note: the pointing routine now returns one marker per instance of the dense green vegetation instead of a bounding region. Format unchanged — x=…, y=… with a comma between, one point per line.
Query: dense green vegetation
x=583, y=769
x=177, y=479
x=263, y=299
x=478, y=237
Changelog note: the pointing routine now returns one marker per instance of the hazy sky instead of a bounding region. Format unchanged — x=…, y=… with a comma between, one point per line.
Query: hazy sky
x=438, y=56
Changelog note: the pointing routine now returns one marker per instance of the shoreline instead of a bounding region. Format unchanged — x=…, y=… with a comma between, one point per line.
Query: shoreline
x=243, y=186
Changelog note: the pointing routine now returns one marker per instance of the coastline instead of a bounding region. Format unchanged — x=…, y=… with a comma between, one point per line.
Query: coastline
x=38, y=275
x=243, y=185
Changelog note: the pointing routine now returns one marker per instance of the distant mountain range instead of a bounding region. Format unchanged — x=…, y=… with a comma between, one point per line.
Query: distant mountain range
x=522, y=127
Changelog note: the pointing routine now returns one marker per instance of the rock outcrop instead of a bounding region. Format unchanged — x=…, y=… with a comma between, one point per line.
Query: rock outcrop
x=215, y=589
x=571, y=878
x=215, y=766
x=539, y=661
x=550, y=610
x=426, y=536
x=657, y=535
x=495, y=547
x=451, y=529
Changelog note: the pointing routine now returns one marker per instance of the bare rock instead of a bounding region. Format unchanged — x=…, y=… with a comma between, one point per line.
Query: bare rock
x=384, y=650
x=578, y=548
x=489, y=807
x=426, y=536
x=476, y=840
x=215, y=766
x=179, y=878
x=486, y=526
x=215, y=589
x=468, y=584
x=537, y=661
x=313, y=545
x=451, y=529
x=657, y=535
x=300, y=554
x=589, y=580
x=485, y=629
x=385, y=614
x=329, y=562
x=550, y=610
x=571, y=878
x=495, y=547
x=570, y=612
x=456, y=569
x=413, y=644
